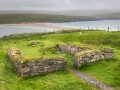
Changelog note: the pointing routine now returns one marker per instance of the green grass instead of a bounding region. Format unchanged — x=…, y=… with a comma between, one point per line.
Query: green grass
x=60, y=80
x=106, y=71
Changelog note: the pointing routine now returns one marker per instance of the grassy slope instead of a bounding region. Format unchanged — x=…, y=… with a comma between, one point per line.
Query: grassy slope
x=108, y=16
x=61, y=80
x=18, y=18
x=105, y=71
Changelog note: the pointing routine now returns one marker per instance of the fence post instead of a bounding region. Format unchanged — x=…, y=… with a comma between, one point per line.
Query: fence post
x=118, y=28
x=45, y=30
x=108, y=28
x=96, y=28
x=88, y=27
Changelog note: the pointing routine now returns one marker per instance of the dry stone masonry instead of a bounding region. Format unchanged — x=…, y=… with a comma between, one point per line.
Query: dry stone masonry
x=72, y=48
x=90, y=56
x=35, y=66
x=84, y=55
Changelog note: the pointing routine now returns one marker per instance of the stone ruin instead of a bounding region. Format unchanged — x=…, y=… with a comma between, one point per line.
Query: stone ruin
x=35, y=66
x=32, y=43
x=84, y=55
x=90, y=56
x=72, y=48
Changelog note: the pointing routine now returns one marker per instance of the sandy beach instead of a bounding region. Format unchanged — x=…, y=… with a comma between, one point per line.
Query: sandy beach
x=44, y=25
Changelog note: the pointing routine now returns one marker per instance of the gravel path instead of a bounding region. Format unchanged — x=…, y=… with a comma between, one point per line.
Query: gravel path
x=91, y=80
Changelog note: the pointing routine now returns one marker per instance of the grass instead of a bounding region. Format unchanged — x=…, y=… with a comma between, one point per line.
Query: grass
x=106, y=71
x=54, y=81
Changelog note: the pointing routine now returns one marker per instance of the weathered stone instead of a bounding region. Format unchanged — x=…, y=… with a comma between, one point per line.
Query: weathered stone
x=35, y=67
x=24, y=70
x=90, y=56
x=32, y=43
x=93, y=60
x=31, y=64
x=72, y=48
x=81, y=62
x=97, y=56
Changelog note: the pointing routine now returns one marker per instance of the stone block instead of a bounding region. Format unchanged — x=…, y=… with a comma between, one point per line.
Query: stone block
x=25, y=70
x=31, y=64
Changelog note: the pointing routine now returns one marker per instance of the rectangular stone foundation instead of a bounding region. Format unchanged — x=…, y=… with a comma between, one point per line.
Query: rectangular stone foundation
x=91, y=55
x=36, y=66
x=72, y=48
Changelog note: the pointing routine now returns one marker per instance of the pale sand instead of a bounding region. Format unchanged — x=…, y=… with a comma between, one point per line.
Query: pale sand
x=44, y=25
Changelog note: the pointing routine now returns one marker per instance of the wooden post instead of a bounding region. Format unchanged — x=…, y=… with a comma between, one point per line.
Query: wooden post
x=88, y=27
x=108, y=29
x=45, y=30
x=118, y=28
x=96, y=28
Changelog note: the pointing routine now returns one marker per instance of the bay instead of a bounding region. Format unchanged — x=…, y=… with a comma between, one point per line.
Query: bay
x=7, y=30
x=103, y=24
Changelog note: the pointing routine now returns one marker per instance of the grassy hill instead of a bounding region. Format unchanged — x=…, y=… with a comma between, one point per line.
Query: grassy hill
x=108, y=16
x=106, y=71
x=19, y=18
x=30, y=18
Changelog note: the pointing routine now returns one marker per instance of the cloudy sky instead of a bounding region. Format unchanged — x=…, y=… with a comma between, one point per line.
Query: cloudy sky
x=58, y=4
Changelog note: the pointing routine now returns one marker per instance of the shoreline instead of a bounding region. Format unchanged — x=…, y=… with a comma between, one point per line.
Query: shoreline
x=44, y=25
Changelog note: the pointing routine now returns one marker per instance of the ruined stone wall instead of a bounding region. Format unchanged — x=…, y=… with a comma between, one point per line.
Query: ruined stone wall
x=90, y=56
x=84, y=55
x=71, y=48
x=37, y=65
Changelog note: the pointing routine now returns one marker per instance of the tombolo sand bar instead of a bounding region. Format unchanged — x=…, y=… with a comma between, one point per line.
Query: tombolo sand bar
x=45, y=25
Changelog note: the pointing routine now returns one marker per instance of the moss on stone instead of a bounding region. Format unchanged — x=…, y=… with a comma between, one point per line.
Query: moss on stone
x=107, y=49
x=85, y=52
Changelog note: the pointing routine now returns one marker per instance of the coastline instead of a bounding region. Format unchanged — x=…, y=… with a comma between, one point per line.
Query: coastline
x=44, y=25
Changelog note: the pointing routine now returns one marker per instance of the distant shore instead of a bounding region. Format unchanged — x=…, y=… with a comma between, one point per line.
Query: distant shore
x=44, y=25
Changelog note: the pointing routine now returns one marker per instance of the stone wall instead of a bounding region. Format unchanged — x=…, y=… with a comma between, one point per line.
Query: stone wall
x=72, y=48
x=84, y=55
x=90, y=56
x=35, y=66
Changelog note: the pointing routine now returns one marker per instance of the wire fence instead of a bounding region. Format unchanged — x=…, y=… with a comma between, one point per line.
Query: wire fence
x=85, y=29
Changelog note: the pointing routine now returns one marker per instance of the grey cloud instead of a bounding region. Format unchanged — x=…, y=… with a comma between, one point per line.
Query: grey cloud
x=58, y=4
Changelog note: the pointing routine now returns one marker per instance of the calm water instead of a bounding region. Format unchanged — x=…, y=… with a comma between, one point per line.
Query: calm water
x=7, y=30
x=113, y=24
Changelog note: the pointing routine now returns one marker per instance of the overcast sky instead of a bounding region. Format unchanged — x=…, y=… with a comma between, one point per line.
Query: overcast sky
x=58, y=4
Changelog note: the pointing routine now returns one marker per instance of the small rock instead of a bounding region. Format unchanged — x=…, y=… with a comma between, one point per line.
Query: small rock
x=3, y=82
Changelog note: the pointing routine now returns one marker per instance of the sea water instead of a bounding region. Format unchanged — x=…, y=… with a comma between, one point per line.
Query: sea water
x=103, y=24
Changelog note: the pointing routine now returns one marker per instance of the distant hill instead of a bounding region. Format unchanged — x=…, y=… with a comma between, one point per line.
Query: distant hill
x=30, y=18
x=109, y=16
x=19, y=18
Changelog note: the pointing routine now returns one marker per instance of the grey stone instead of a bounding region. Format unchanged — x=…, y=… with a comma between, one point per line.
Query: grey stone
x=31, y=64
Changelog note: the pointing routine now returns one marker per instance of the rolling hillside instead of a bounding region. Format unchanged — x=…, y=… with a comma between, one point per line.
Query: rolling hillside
x=18, y=18
x=108, y=16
